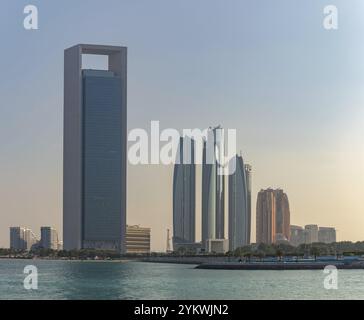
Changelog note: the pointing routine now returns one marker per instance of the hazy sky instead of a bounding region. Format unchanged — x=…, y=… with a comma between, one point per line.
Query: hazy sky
x=293, y=90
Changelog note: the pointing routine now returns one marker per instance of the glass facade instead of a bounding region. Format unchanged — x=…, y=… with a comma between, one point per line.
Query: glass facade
x=184, y=180
x=95, y=150
x=239, y=219
x=101, y=157
x=213, y=188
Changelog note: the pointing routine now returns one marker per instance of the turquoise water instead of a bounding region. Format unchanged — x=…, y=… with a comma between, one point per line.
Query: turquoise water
x=138, y=280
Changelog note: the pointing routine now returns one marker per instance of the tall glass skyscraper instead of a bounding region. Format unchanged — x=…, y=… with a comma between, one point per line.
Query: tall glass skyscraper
x=95, y=128
x=184, y=190
x=239, y=215
x=213, y=189
x=248, y=176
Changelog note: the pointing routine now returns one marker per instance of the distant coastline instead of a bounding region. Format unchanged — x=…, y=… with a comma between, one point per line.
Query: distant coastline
x=281, y=266
x=67, y=259
x=225, y=263
x=220, y=262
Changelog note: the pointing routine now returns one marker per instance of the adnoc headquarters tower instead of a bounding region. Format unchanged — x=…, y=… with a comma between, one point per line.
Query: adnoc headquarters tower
x=95, y=129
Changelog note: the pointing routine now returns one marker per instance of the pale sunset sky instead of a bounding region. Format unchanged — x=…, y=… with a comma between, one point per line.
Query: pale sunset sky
x=292, y=89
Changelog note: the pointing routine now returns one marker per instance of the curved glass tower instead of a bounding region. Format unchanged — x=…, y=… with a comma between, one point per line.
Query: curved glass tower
x=239, y=214
x=213, y=190
x=248, y=175
x=184, y=178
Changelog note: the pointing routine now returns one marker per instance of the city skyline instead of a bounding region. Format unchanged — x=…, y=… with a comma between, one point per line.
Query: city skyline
x=291, y=88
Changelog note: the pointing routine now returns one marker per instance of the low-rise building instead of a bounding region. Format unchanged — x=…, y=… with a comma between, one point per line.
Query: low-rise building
x=189, y=247
x=137, y=239
x=327, y=235
x=217, y=245
x=311, y=233
x=297, y=235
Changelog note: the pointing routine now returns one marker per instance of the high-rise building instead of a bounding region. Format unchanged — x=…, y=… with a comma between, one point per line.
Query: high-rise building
x=213, y=189
x=49, y=238
x=95, y=137
x=184, y=203
x=137, y=239
x=266, y=217
x=311, y=233
x=17, y=238
x=297, y=235
x=239, y=220
x=273, y=216
x=326, y=235
x=248, y=176
x=282, y=214
x=22, y=238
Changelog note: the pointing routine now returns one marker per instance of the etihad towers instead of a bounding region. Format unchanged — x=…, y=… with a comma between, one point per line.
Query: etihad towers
x=213, y=189
x=248, y=176
x=95, y=136
x=184, y=190
x=239, y=204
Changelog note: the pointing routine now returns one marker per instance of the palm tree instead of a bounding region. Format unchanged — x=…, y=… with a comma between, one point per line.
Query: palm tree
x=315, y=252
x=260, y=255
x=296, y=254
x=238, y=252
x=248, y=256
x=279, y=254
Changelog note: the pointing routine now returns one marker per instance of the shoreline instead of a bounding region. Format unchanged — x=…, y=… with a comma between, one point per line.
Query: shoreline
x=70, y=260
x=224, y=265
x=281, y=266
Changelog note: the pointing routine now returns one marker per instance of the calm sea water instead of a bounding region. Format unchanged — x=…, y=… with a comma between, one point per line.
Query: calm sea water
x=138, y=280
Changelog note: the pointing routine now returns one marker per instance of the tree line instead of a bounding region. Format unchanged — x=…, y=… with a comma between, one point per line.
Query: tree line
x=260, y=251
x=256, y=251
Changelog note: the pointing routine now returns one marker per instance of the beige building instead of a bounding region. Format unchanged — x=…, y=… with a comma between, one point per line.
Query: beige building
x=137, y=239
x=326, y=235
x=297, y=235
x=282, y=214
x=217, y=245
x=311, y=233
x=273, y=216
x=266, y=217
